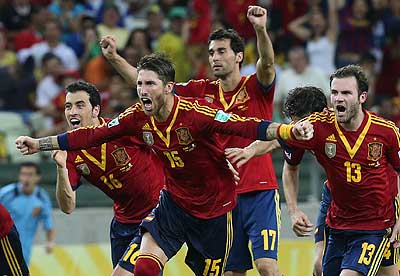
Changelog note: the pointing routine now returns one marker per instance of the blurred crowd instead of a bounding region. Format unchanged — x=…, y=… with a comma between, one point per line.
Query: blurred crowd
x=45, y=45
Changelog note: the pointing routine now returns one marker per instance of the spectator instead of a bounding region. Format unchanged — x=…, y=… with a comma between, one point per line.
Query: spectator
x=109, y=25
x=28, y=205
x=386, y=83
x=34, y=32
x=299, y=73
x=16, y=15
x=77, y=40
x=52, y=44
x=154, y=24
x=355, y=29
x=320, y=37
x=98, y=72
x=67, y=11
x=234, y=13
x=48, y=87
x=173, y=42
x=136, y=15
x=8, y=59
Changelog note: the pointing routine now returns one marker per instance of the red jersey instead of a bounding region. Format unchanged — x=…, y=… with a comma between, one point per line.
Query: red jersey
x=197, y=175
x=6, y=222
x=129, y=173
x=248, y=99
x=357, y=164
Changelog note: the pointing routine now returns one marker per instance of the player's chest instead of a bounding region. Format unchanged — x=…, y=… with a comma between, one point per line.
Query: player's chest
x=237, y=101
x=108, y=160
x=368, y=151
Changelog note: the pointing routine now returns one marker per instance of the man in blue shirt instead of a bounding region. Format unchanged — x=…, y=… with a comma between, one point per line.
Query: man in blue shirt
x=28, y=204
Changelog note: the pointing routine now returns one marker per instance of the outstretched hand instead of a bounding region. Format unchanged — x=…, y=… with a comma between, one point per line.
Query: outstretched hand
x=303, y=131
x=239, y=156
x=27, y=145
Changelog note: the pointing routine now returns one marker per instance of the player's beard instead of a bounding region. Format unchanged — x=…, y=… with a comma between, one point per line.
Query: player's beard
x=351, y=114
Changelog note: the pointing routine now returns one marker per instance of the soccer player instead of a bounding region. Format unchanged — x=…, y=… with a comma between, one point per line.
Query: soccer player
x=250, y=96
x=127, y=172
x=301, y=102
x=356, y=149
x=12, y=261
x=196, y=205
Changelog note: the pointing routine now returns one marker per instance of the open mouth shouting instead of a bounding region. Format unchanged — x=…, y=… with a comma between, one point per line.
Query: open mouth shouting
x=147, y=104
x=75, y=122
x=340, y=110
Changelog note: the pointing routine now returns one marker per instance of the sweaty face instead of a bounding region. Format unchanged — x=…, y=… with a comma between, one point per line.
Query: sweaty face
x=151, y=91
x=222, y=58
x=345, y=99
x=78, y=110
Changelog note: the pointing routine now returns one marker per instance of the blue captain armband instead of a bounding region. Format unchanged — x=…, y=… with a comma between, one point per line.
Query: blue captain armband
x=262, y=130
x=62, y=140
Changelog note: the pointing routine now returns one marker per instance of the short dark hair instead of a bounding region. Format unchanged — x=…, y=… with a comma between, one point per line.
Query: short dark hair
x=93, y=92
x=352, y=71
x=160, y=64
x=237, y=42
x=49, y=56
x=302, y=101
x=30, y=165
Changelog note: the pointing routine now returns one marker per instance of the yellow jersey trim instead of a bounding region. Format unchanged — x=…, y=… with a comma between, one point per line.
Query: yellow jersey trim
x=167, y=138
x=353, y=150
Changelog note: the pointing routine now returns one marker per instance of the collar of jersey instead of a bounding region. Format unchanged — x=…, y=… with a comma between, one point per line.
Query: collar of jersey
x=353, y=150
x=167, y=138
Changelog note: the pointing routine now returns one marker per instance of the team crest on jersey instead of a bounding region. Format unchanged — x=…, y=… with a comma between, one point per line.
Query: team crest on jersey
x=121, y=157
x=148, y=138
x=374, y=151
x=83, y=169
x=330, y=150
x=243, y=96
x=184, y=136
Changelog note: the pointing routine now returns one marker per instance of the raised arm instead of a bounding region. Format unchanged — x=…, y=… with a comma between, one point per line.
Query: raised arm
x=297, y=27
x=66, y=197
x=265, y=64
x=126, y=70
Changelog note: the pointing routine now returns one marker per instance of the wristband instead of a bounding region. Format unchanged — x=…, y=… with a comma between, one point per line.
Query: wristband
x=285, y=132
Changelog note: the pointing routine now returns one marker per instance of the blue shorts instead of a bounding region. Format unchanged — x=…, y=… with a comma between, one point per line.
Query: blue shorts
x=208, y=240
x=256, y=218
x=11, y=259
x=360, y=251
x=121, y=236
x=321, y=229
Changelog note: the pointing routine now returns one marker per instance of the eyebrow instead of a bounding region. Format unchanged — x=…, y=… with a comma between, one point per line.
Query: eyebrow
x=218, y=49
x=78, y=102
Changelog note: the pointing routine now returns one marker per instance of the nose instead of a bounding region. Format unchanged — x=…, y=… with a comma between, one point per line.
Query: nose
x=215, y=56
x=73, y=110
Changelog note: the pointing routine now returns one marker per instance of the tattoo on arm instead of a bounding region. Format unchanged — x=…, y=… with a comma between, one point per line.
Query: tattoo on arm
x=272, y=131
x=46, y=143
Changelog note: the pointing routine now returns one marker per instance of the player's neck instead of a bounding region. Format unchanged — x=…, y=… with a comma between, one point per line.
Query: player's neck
x=231, y=81
x=355, y=123
x=165, y=110
x=96, y=121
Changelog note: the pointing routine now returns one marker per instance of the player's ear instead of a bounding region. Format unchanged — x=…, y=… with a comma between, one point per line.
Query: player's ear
x=96, y=111
x=169, y=87
x=239, y=57
x=363, y=97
